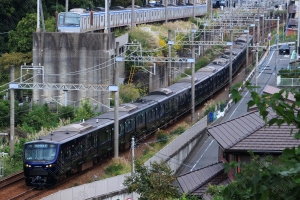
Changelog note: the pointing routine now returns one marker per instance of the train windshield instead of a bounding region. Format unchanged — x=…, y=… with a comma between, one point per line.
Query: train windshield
x=69, y=19
x=40, y=152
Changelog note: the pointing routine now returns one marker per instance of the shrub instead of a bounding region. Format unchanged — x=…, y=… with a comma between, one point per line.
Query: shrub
x=179, y=130
x=128, y=93
x=162, y=137
x=117, y=167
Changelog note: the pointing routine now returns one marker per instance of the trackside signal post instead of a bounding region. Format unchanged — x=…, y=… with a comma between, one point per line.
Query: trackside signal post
x=2, y=154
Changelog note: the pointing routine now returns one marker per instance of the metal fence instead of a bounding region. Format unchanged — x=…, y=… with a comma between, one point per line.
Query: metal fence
x=288, y=81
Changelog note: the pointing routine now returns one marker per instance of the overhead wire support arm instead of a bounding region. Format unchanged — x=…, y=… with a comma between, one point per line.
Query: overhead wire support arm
x=153, y=59
x=57, y=86
x=222, y=31
x=203, y=43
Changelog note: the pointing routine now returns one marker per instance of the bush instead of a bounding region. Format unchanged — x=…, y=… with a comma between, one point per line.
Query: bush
x=162, y=137
x=128, y=93
x=146, y=151
x=179, y=130
x=117, y=167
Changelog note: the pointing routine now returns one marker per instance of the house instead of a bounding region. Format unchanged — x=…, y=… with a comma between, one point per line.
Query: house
x=236, y=138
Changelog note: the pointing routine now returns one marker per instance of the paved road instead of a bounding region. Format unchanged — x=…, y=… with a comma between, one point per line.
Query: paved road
x=206, y=151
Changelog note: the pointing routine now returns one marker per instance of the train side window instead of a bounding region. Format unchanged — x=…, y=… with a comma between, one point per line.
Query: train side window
x=128, y=125
x=133, y=123
x=95, y=140
x=121, y=131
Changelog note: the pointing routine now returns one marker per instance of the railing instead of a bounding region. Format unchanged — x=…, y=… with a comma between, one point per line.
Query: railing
x=288, y=81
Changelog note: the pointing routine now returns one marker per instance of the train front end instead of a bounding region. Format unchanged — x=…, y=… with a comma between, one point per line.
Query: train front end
x=68, y=22
x=40, y=163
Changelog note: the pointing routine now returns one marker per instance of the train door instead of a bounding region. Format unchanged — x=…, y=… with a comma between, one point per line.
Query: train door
x=77, y=152
x=94, y=143
x=183, y=106
x=112, y=22
x=174, y=107
x=129, y=18
x=87, y=147
x=138, y=17
x=88, y=24
x=106, y=142
x=126, y=18
x=151, y=17
x=130, y=127
x=122, y=19
x=167, y=109
x=102, y=23
x=122, y=135
x=150, y=119
x=65, y=159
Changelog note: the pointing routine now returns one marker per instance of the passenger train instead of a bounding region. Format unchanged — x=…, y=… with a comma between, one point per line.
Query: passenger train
x=77, y=146
x=79, y=20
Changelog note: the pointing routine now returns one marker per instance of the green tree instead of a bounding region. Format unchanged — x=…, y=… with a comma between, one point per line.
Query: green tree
x=39, y=117
x=4, y=113
x=154, y=182
x=128, y=93
x=85, y=111
x=268, y=178
x=66, y=112
x=20, y=40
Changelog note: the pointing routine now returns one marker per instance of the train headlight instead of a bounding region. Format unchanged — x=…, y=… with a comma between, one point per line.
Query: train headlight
x=48, y=166
x=28, y=165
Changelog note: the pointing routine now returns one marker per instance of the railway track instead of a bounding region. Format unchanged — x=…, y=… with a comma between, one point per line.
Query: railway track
x=19, y=176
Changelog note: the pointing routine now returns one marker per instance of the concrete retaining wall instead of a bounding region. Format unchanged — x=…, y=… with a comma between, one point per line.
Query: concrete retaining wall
x=74, y=58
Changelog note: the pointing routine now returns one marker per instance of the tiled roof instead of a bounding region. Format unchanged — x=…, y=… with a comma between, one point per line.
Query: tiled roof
x=196, y=182
x=271, y=90
x=248, y=132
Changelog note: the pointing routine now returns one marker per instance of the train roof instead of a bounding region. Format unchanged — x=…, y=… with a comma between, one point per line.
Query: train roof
x=155, y=97
x=96, y=11
x=67, y=132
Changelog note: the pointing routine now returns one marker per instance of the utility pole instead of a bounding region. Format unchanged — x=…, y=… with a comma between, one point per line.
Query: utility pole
x=12, y=111
x=298, y=36
x=132, y=160
x=277, y=41
x=116, y=109
x=256, y=66
x=247, y=52
x=106, y=17
x=38, y=29
x=132, y=15
x=263, y=28
x=42, y=15
x=193, y=76
x=67, y=5
x=194, y=9
x=258, y=31
x=166, y=11
x=230, y=67
x=169, y=64
x=258, y=27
